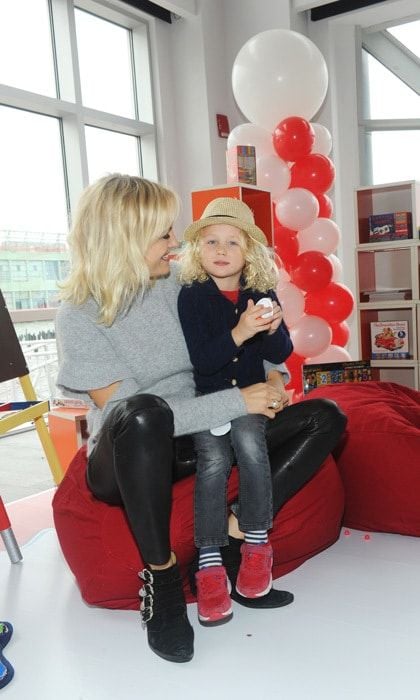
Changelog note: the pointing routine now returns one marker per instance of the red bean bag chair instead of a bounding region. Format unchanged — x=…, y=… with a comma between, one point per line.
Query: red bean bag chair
x=379, y=455
x=100, y=550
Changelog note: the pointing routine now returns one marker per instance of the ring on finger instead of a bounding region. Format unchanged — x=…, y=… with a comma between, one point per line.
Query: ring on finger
x=275, y=404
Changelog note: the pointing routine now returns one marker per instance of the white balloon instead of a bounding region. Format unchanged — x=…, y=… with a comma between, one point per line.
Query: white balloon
x=297, y=208
x=252, y=135
x=323, y=235
x=292, y=301
x=323, y=141
x=279, y=73
x=337, y=268
x=333, y=353
x=311, y=335
x=273, y=174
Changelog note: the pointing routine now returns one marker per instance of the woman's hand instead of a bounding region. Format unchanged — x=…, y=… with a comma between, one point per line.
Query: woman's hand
x=263, y=398
x=276, y=379
x=251, y=323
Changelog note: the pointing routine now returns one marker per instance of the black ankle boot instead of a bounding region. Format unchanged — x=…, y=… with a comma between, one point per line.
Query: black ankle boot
x=164, y=613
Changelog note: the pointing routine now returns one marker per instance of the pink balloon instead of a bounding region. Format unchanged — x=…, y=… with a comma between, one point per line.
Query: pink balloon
x=252, y=135
x=297, y=208
x=310, y=336
x=323, y=141
x=323, y=235
x=273, y=174
x=334, y=353
x=284, y=277
x=292, y=302
x=337, y=268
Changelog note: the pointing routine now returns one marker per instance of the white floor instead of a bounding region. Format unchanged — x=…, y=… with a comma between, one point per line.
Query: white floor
x=353, y=632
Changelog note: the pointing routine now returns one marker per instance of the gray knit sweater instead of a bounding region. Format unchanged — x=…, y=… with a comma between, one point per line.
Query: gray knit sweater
x=145, y=350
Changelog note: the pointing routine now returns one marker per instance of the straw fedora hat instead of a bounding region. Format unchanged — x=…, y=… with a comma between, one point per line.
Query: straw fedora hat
x=227, y=210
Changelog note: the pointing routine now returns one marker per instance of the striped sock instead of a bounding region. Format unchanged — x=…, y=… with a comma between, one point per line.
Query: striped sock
x=209, y=556
x=256, y=537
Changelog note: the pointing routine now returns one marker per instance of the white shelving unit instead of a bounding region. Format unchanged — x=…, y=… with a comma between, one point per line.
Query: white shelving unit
x=385, y=267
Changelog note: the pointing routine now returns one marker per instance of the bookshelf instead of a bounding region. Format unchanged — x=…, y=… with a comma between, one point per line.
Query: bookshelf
x=388, y=277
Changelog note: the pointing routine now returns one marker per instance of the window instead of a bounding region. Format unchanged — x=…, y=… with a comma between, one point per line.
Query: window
x=391, y=103
x=109, y=151
x=106, y=74
x=75, y=104
x=26, y=55
x=4, y=271
x=51, y=270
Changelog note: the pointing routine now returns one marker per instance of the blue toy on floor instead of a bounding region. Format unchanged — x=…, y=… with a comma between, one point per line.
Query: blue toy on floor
x=6, y=669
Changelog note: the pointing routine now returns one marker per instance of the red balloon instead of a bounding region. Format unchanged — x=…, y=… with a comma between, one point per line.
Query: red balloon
x=325, y=206
x=293, y=138
x=286, y=243
x=312, y=271
x=334, y=303
x=340, y=334
x=314, y=172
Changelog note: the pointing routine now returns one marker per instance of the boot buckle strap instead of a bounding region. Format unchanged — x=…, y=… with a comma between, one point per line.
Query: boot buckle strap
x=146, y=575
x=145, y=590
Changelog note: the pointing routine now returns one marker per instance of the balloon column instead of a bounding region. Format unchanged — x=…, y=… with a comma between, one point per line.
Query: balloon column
x=279, y=82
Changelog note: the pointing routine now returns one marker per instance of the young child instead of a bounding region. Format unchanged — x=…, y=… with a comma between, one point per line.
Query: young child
x=226, y=269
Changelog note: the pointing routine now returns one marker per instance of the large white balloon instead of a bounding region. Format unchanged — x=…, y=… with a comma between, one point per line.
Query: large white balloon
x=273, y=174
x=279, y=73
x=323, y=142
x=252, y=135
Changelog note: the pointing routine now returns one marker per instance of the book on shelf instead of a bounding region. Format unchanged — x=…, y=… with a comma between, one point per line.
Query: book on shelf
x=392, y=226
x=389, y=340
x=241, y=164
x=387, y=294
x=335, y=373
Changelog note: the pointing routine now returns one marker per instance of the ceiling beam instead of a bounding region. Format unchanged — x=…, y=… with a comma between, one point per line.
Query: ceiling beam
x=339, y=7
x=398, y=59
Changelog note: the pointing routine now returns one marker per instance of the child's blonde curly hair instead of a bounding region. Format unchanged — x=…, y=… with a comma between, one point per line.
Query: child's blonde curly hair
x=259, y=272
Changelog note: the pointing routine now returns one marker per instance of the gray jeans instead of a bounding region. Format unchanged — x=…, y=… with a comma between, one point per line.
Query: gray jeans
x=246, y=443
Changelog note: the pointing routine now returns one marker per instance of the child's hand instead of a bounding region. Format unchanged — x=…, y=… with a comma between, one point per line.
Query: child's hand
x=251, y=323
x=276, y=318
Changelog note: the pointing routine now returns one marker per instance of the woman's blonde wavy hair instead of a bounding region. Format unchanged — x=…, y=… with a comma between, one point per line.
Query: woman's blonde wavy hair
x=117, y=219
x=259, y=273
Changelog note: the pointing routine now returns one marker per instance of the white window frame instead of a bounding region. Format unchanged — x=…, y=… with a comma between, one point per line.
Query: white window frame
x=68, y=107
x=372, y=42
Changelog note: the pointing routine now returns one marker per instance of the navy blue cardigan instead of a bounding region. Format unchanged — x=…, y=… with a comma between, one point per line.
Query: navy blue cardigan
x=207, y=318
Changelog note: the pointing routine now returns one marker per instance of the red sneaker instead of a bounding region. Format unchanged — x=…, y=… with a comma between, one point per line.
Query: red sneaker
x=254, y=577
x=213, y=598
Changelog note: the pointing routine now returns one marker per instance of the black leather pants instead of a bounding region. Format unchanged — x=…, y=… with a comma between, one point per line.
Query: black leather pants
x=136, y=460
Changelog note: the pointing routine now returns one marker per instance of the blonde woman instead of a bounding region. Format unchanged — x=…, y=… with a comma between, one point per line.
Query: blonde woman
x=121, y=348
x=228, y=274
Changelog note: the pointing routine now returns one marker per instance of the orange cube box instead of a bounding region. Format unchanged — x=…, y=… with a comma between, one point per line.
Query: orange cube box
x=258, y=200
x=68, y=430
